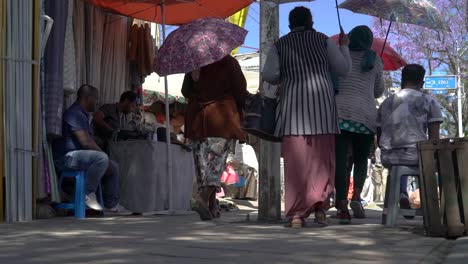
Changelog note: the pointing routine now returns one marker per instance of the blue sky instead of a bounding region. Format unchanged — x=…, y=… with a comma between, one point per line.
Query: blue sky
x=325, y=20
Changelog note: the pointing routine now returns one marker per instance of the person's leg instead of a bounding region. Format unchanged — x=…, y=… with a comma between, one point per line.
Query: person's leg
x=361, y=150
x=378, y=181
x=210, y=157
x=94, y=162
x=199, y=149
x=341, y=175
x=294, y=149
x=404, y=185
x=219, y=150
x=385, y=172
x=404, y=197
x=212, y=203
x=110, y=185
x=323, y=167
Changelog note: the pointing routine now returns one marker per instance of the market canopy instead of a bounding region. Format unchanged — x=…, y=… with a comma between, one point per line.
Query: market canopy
x=177, y=12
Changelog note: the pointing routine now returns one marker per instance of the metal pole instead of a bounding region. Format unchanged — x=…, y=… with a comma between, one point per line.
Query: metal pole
x=269, y=208
x=168, y=122
x=460, y=95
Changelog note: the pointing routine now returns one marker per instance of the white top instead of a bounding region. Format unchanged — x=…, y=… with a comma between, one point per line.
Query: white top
x=404, y=119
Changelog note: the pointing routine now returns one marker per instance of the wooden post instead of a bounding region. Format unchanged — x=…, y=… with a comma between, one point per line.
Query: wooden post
x=269, y=172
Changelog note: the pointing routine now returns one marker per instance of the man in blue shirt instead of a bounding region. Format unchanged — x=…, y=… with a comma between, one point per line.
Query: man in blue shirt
x=79, y=151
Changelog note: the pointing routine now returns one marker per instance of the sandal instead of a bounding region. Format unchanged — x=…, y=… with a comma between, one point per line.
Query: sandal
x=344, y=217
x=358, y=209
x=320, y=217
x=343, y=213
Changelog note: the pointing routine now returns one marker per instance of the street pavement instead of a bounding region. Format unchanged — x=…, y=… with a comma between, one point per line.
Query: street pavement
x=235, y=238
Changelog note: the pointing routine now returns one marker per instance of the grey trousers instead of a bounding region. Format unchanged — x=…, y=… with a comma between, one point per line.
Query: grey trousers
x=96, y=163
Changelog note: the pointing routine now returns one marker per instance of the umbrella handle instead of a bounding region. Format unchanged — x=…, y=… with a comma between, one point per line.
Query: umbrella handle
x=338, y=13
x=386, y=38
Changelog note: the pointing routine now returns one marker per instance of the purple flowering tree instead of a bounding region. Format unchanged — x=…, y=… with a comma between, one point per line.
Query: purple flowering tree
x=437, y=50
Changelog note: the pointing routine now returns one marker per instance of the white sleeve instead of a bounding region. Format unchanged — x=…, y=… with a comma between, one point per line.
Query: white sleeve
x=435, y=112
x=339, y=58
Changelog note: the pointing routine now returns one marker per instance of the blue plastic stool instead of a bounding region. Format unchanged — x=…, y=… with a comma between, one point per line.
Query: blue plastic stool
x=78, y=205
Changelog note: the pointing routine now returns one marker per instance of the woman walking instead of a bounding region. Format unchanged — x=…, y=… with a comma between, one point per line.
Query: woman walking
x=357, y=118
x=307, y=116
x=216, y=95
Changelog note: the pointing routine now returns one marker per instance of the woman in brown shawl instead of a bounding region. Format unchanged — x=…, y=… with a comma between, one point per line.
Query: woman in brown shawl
x=216, y=94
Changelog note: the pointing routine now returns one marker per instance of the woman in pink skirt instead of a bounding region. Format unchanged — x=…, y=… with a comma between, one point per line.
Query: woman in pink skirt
x=307, y=116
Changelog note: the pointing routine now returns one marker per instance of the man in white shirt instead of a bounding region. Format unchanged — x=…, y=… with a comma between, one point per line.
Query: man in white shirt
x=406, y=118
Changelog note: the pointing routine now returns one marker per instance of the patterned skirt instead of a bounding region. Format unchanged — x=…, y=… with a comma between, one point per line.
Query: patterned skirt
x=210, y=156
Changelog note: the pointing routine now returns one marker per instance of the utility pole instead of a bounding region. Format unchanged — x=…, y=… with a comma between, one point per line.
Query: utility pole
x=460, y=94
x=269, y=170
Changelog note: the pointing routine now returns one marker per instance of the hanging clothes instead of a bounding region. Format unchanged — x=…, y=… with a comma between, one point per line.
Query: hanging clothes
x=115, y=67
x=101, y=41
x=54, y=54
x=69, y=65
x=141, y=53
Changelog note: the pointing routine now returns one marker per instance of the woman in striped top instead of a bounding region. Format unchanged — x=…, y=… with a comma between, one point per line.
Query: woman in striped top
x=307, y=116
x=357, y=114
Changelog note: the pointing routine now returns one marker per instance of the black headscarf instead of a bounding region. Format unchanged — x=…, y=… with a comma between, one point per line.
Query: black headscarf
x=361, y=39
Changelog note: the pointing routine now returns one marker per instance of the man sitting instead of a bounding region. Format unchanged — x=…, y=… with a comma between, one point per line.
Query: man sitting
x=79, y=151
x=404, y=119
x=111, y=118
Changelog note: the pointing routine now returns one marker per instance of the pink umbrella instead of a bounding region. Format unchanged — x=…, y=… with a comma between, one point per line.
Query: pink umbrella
x=391, y=59
x=197, y=44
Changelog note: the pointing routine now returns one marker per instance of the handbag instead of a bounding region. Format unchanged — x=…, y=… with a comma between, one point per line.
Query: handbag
x=260, y=116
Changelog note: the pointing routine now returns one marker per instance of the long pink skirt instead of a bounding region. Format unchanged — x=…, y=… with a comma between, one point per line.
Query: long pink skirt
x=309, y=172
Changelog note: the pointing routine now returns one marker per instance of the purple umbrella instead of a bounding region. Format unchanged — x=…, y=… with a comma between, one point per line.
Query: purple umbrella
x=197, y=44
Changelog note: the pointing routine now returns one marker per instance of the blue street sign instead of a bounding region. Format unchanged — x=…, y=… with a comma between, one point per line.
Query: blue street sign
x=439, y=92
x=440, y=82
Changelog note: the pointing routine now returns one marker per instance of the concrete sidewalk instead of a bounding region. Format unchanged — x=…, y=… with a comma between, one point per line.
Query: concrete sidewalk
x=458, y=253
x=232, y=239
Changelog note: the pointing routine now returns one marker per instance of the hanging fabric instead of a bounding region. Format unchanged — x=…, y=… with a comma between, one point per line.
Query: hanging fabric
x=54, y=53
x=239, y=19
x=101, y=41
x=69, y=64
x=142, y=53
x=114, y=78
x=94, y=26
x=79, y=29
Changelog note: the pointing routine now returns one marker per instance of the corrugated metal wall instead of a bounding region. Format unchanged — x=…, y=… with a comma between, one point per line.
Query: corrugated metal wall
x=18, y=84
x=2, y=85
